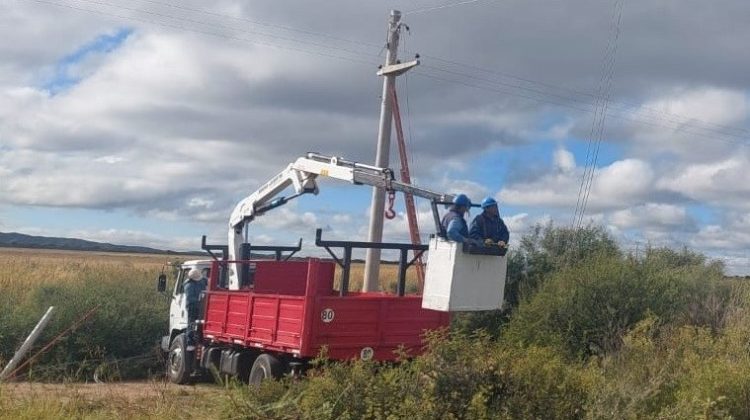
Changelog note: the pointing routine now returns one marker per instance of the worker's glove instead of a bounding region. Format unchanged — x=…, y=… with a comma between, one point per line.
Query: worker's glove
x=502, y=244
x=489, y=242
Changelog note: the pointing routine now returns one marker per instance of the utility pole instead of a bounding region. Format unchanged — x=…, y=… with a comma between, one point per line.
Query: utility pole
x=27, y=343
x=390, y=70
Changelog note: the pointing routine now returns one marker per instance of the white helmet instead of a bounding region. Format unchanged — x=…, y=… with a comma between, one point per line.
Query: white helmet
x=194, y=274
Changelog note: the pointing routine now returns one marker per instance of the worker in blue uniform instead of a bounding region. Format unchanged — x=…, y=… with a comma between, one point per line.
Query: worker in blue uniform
x=488, y=227
x=453, y=222
x=193, y=289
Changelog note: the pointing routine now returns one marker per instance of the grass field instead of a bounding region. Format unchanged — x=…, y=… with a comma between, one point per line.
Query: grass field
x=592, y=333
x=119, y=340
x=131, y=315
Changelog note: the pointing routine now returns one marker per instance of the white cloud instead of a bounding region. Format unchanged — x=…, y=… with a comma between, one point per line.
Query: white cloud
x=137, y=238
x=474, y=190
x=693, y=124
x=724, y=182
x=287, y=219
x=621, y=184
x=178, y=126
x=624, y=182
x=110, y=159
x=564, y=160
x=650, y=214
x=707, y=104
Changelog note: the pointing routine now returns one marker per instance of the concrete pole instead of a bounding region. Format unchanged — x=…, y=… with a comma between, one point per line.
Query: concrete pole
x=27, y=344
x=375, y=233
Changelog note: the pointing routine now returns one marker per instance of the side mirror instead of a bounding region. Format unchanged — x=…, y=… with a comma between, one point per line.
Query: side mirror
x=161, y=284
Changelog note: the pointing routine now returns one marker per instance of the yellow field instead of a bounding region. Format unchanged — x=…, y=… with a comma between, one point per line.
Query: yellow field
x=122, y=400
x=27, y=273
x=39, y=266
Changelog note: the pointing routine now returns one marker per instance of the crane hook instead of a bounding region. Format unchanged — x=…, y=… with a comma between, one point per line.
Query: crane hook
x=389, y=212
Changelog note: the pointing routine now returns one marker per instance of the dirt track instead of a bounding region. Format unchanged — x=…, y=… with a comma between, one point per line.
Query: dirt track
x=128, y=391
x=147, y=399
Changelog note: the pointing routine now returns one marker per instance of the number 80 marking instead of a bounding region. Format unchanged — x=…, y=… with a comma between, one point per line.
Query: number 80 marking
x=327, y=315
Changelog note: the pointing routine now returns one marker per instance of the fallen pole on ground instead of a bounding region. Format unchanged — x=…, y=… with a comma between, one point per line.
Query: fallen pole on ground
x=27, y=343
x=57, y=338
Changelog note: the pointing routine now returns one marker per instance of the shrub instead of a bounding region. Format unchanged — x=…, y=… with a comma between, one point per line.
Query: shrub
x=128, y=323
x=586, y=309
x=544, y=251
x=460, y=377
x=675, y=372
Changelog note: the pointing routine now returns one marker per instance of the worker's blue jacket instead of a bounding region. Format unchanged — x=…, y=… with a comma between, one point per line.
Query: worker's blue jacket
x=455, y=226
x=485, y=226
x=193, y=291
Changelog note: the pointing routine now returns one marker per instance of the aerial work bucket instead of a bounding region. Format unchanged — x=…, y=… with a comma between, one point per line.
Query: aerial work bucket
x=459, y=280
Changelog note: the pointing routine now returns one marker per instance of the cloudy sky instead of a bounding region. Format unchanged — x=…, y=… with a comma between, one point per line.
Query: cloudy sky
x=144, y=122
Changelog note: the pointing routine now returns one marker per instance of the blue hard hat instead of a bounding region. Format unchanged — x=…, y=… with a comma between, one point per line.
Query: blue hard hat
x=462, y=200
x=488, y=202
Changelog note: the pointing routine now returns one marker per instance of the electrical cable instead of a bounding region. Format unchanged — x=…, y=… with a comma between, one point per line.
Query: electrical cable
x=262, y=23
x=444, y=6
x=607, y=89
x=596, y=132
x=215, y=34
x=684, y=125
x=200, y=22
x=584, y=105
x=624, y=105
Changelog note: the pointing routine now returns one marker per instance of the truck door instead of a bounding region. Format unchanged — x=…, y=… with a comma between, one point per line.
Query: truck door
x=177, y=308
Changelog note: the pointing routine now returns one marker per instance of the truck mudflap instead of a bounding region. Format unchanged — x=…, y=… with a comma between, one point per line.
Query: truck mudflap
x=164, y=343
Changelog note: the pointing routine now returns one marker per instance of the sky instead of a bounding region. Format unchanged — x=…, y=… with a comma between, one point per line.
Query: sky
x=145, y=122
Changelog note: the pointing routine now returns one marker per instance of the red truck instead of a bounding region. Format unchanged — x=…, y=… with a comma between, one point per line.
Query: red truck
x=262, y=318
x=289, y=315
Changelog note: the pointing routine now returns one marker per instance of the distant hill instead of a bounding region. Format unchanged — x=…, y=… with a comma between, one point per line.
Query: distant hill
x=19, y=240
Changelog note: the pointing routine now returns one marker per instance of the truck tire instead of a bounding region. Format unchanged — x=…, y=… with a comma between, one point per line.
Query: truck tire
x=265, y=367
x=178, y=362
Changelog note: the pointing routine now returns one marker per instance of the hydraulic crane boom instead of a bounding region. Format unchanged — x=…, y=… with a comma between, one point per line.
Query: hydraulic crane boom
x=302, y=175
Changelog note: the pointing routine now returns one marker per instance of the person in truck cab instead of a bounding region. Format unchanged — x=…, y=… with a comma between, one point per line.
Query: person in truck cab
x=193, y=289
x=205, y=273
x=453, y=221
x=488, y=227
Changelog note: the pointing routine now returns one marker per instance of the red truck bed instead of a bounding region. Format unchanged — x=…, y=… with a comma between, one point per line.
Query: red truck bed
x=293, y=308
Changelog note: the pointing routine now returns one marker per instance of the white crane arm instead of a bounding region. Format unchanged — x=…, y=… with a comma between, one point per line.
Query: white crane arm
x=302, y=175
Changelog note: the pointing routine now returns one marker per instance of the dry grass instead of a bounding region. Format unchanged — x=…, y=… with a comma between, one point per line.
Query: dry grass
x=41, y=266
x=388, y=278
x=37, y=267
x=28, y=271
x=155, y=399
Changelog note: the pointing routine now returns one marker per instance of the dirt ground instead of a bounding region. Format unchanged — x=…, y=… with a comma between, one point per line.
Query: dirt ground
x=129, y=391
x=147, y=399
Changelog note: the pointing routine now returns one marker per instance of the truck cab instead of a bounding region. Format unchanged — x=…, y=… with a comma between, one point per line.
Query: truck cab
x=178, y=306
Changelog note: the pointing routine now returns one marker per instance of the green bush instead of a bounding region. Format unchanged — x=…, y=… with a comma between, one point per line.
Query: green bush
x=675, y=372
x=127, y=324
x=546, y=250
x=460, y=377
x=586, y=309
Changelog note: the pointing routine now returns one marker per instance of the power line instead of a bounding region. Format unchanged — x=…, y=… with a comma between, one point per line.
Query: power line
x=409, y=138
x=444, y=6
x=623, y=104
x=639, y=116
x=689, y=126
x=488, y=85
x=369, y=44
x=596, y=133
x=198, y=31
x=200, y=22
x=262, y=23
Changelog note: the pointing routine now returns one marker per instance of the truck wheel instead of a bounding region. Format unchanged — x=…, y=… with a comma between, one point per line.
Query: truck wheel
x=265, y=367
x=178, y=362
